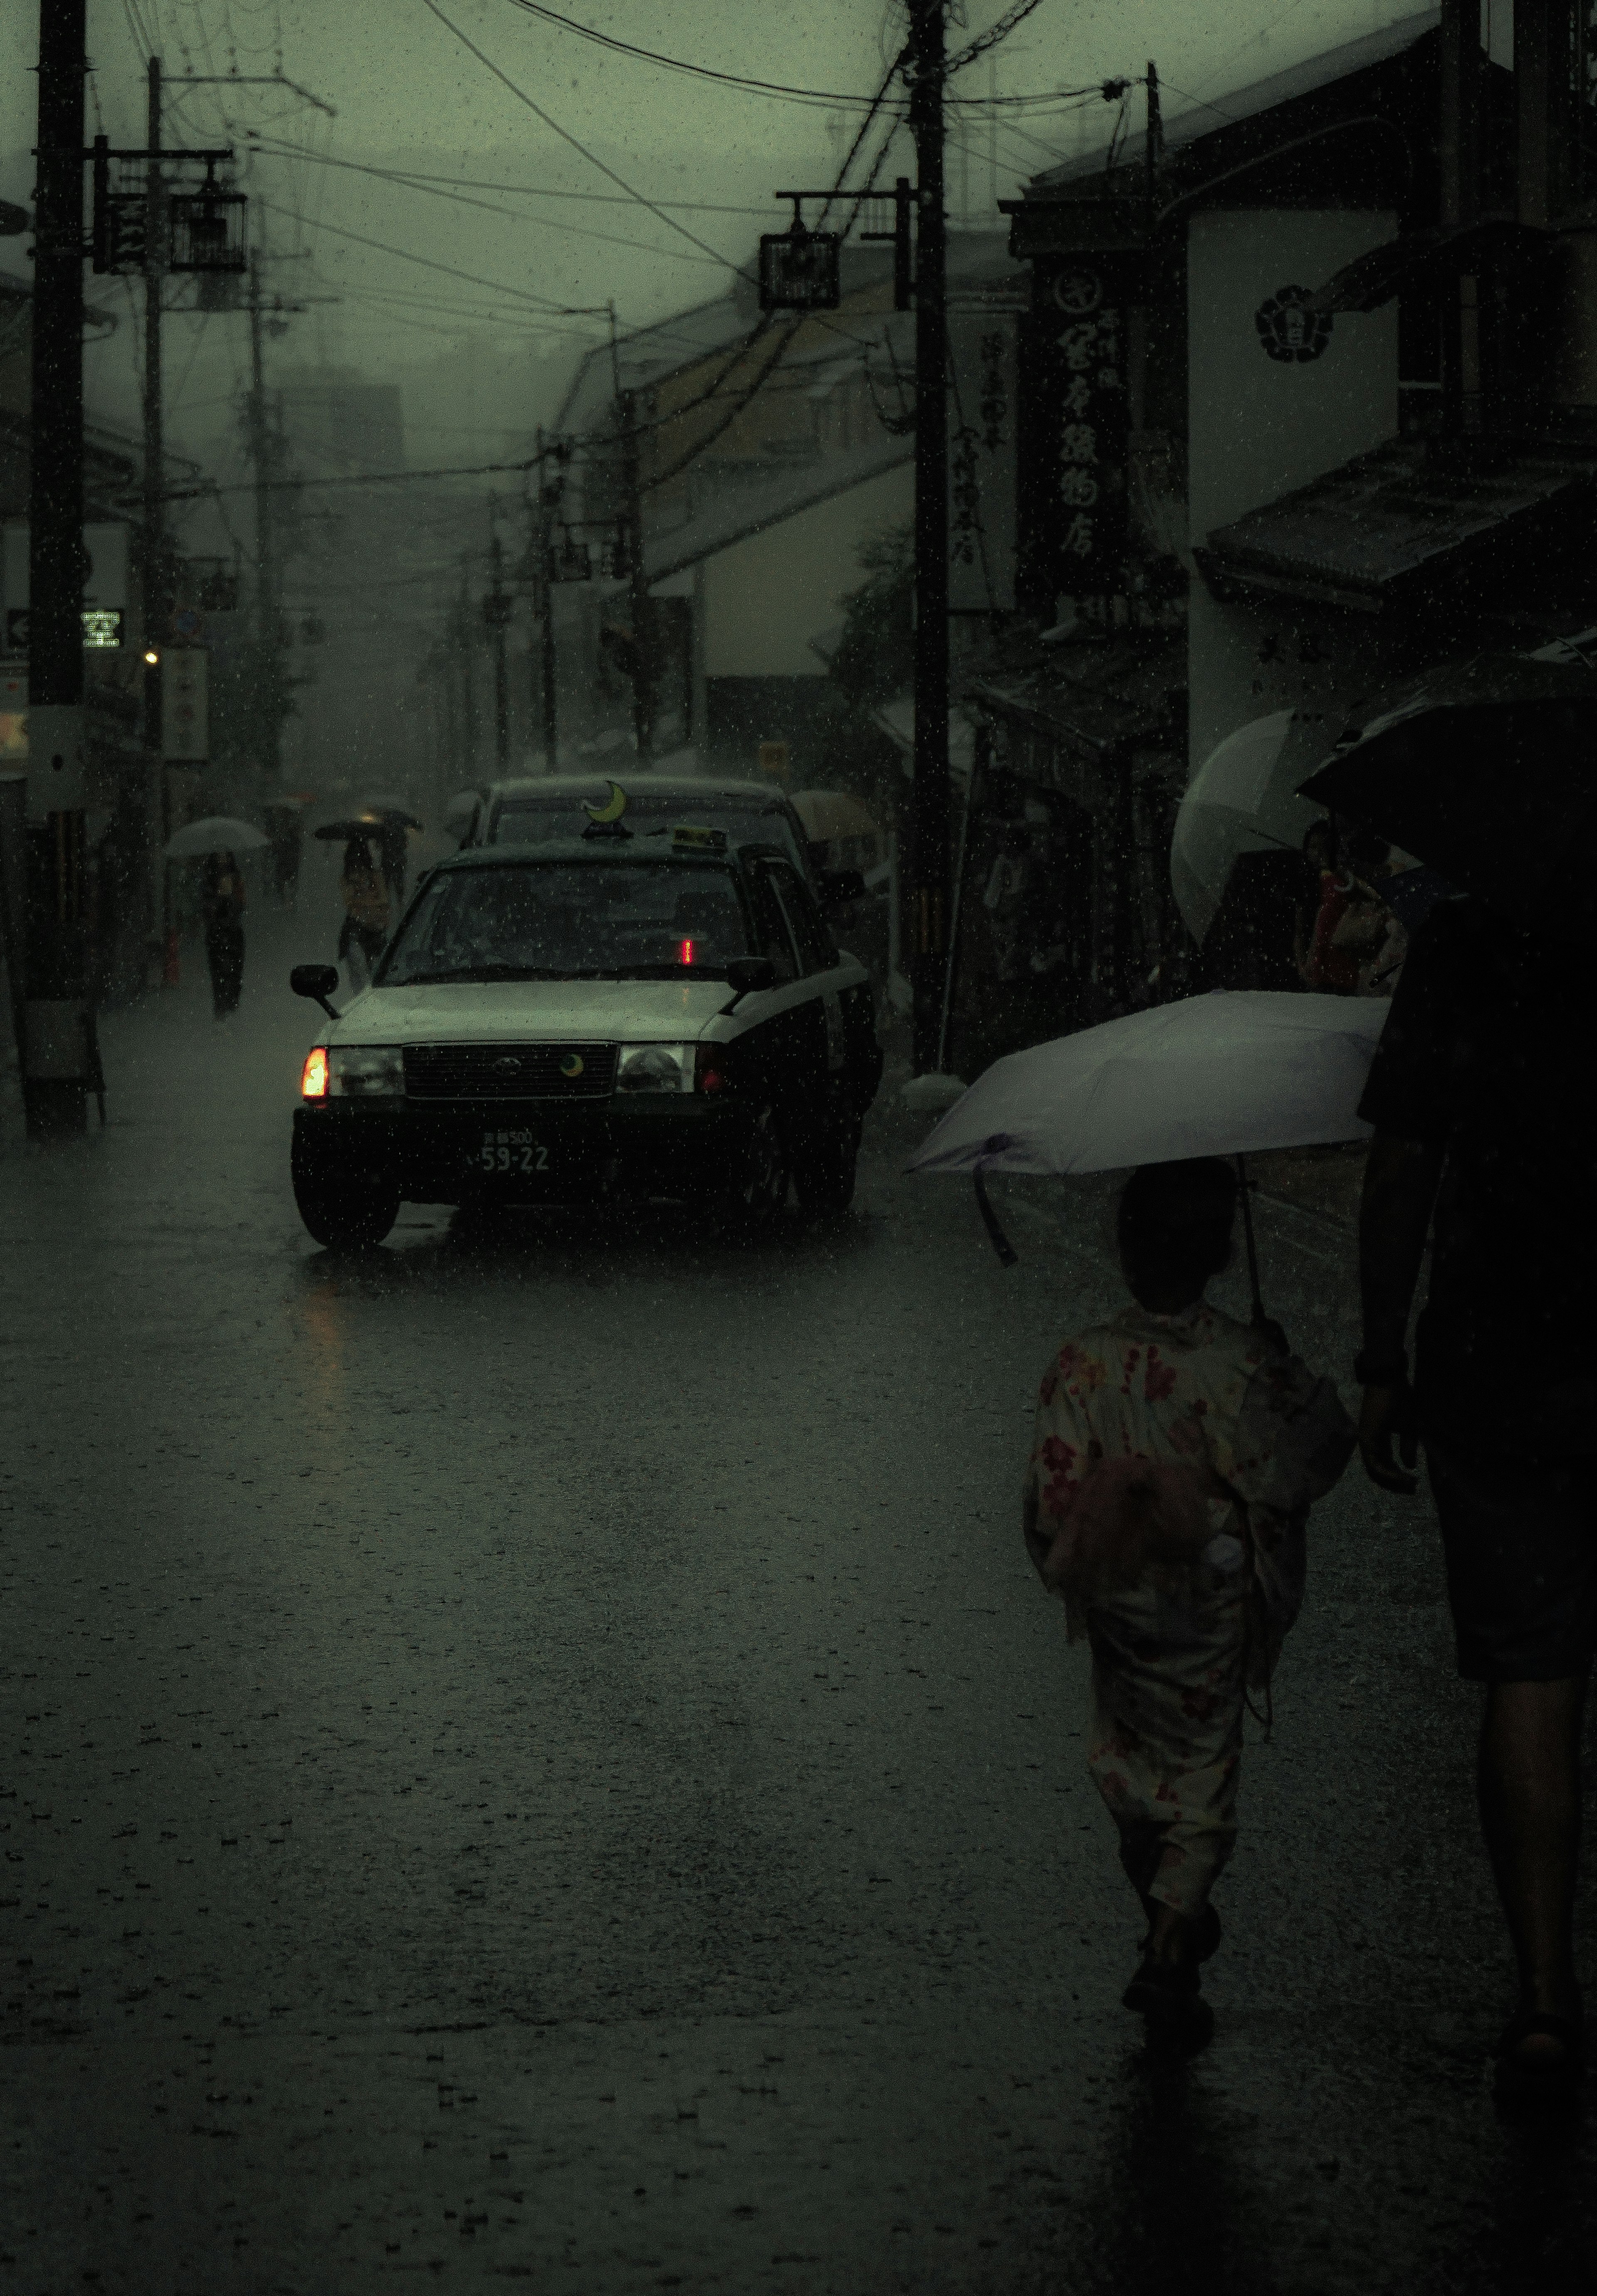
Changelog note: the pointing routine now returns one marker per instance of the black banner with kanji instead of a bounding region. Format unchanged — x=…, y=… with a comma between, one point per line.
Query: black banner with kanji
x=1072, y=538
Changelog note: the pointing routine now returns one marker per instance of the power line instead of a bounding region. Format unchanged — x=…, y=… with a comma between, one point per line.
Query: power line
x=278, y=146
x=702, y=446
x=357, y=479
x=994, y=35
x=778, y=88
x=473, y=314
x=576, y=230
x=677, y=63
x=592, y=157
x=1231, y=56
x=495, y=286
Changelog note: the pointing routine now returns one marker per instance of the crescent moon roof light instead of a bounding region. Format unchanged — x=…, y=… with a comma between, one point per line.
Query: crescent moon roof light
x=614, y=806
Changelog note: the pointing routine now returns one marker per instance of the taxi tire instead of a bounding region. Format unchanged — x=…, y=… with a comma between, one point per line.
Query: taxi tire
x=826, y=1171
x=343, y=1211
x=767, y=1174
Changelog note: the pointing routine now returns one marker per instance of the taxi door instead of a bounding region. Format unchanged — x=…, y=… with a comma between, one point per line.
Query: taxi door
x=793, y=1039
x=817, y=1044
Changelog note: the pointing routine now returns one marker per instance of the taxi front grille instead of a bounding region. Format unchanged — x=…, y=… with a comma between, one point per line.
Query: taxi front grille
x=509, y=1071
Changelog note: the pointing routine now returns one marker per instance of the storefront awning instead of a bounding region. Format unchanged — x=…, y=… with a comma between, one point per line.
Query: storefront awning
x=1441, y=250
x=1077, y=710
x=1362, y=534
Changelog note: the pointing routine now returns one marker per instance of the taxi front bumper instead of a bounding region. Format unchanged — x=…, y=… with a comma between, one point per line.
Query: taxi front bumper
x=661, y=1144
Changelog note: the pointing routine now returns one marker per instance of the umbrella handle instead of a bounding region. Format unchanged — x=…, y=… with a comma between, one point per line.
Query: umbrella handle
x=1005, y=1249
x=1243, y=1182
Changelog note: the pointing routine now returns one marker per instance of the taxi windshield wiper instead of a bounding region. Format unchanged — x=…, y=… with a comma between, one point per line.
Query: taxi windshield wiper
x=476, y=972
x=666, y=973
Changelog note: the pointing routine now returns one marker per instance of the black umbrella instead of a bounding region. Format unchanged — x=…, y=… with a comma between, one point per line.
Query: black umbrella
x=329, y=829
x=1483, y=770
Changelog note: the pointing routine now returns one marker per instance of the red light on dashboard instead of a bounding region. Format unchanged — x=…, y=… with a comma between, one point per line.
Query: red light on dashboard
x=685, y=951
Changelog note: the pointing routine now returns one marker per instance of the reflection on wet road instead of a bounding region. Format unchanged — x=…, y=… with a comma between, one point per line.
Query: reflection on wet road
x=541, y=1748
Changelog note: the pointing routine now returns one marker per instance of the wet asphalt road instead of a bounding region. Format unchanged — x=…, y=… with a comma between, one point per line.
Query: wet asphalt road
x=540, y=1756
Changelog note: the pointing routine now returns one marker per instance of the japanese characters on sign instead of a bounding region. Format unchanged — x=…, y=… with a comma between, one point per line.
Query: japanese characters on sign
x=982, y=430
x=1073, y=544
x=1090, y=484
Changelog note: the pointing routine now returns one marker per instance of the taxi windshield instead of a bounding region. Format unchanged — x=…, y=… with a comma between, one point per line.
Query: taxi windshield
x=566, y=920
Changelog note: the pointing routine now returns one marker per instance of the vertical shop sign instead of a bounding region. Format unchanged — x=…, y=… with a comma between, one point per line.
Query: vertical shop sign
x=185, y=716
x=1073, y=538
x=983, y=428
x=1090, y=456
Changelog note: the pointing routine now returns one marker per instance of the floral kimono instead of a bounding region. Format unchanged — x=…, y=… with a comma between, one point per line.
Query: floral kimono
x=1172, y=1466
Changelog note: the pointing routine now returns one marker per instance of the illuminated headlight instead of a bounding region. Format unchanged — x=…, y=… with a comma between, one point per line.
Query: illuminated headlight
x=655, y=1068
x=366, y=1072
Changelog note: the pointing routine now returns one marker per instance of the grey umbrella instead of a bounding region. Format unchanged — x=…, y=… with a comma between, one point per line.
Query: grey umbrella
x=216, y=833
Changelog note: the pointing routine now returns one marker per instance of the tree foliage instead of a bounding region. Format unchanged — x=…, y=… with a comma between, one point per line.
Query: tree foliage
x=874, y=661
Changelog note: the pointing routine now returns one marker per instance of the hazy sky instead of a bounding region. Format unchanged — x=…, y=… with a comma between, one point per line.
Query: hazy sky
x=408, y=93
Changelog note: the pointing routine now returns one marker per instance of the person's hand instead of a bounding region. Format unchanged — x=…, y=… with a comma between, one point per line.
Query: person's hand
x=1387, y=1413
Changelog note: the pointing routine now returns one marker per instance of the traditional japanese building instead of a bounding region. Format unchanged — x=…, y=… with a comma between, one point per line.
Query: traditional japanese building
x=1310, y=400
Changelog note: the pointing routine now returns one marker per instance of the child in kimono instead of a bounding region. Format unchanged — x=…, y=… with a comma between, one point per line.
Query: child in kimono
x=1174, y=1460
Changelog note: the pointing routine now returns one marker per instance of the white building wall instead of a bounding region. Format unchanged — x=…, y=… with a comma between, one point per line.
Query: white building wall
x=1257, y=428
x=764, y=599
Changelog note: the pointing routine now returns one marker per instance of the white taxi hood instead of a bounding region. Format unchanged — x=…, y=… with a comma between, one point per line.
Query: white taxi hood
x=531, y=1011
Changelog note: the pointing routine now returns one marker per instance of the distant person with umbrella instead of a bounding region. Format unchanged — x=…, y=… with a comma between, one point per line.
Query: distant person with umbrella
x=366, y=907
x=391, y=820
x=1175, y=1457
x=221, y=910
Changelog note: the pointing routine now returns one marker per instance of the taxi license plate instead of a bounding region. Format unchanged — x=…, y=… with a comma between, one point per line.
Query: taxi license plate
x=509, y=1152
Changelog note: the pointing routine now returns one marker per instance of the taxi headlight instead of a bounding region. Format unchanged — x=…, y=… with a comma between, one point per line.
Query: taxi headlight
x=366, y=1072
x=655, y=1068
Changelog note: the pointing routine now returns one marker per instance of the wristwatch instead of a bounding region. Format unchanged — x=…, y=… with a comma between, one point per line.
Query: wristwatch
x=1381, y=1371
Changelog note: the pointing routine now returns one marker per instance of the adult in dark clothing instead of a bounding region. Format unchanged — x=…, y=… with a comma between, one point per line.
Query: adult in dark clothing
x=223, y=912
x=1479, y=1100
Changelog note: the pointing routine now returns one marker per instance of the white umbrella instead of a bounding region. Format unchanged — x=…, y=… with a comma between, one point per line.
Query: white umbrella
x=218, y=833
x=1226, y=1074
x=1243, y=798
x=1222, y=1075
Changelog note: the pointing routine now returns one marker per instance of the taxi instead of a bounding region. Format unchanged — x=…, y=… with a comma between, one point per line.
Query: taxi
x=650, y=1012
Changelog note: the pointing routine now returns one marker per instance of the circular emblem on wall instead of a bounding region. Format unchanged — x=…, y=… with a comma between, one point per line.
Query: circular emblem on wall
x=1077, y=291
x=571, y=1065
x=1288, y=330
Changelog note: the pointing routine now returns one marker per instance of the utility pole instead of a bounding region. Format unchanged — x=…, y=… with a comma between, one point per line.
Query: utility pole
x=268, y=611
x=496, y=614
x=928, y=802
x=58, y=1058
x=156, y=600
x=1459, y=151
x=543, y=552
x=467, y=684
x=643, y=605
x=1154, y=147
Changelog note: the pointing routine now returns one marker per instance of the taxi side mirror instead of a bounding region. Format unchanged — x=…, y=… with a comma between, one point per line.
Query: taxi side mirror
x=748, y=975
x=316, y=981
